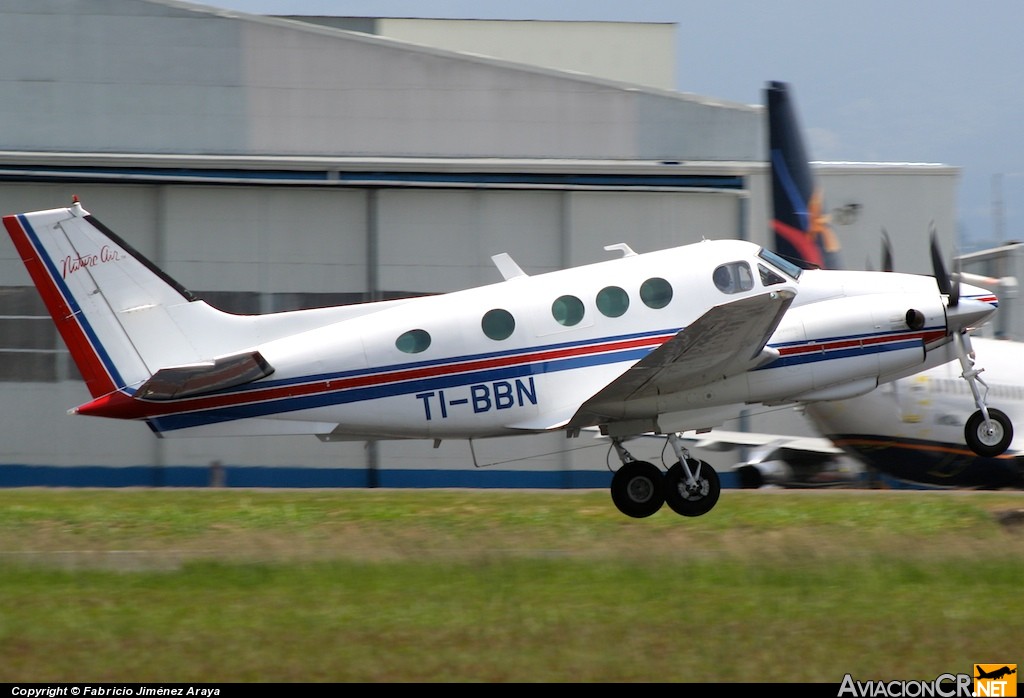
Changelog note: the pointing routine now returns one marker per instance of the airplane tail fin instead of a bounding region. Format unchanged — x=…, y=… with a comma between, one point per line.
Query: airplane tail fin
x=115, y=311
x=801, y=227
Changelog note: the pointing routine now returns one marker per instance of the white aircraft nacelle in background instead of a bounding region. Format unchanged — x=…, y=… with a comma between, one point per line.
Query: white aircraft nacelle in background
x=911, y=429
x=660, y=342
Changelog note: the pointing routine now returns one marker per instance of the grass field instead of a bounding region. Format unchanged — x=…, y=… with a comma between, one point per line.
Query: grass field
x=226, y=585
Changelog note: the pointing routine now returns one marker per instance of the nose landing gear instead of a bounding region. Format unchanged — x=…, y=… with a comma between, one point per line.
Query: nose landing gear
x=989, y=431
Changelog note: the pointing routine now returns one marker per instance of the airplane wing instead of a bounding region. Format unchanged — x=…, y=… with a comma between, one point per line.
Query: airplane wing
x=781, y=460
x=719, y=440
x=728, y=339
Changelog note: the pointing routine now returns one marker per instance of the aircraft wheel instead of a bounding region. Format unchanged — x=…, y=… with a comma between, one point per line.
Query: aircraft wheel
x=638, y=489
x=750, y=477
x=989, y=442
x=692, y=502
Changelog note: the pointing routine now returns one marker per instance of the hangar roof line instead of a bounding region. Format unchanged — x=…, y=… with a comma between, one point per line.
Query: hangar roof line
x=165, y=76
x=374, y=172
x=398, y=31
x=476, y=173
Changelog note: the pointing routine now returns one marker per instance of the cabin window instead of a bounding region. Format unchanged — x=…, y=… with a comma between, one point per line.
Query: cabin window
x=734, y=277
x=567, y=310
x=498, y=324
x=656, y=293
x=413, y=341
x=612, y=301
x=768, y=277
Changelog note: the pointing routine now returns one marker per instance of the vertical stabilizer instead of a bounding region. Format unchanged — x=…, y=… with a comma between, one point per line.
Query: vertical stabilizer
x=800, y=224
x=108, y=302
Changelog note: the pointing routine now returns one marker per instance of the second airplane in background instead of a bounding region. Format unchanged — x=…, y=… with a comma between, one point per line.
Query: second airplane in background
x=914, y=429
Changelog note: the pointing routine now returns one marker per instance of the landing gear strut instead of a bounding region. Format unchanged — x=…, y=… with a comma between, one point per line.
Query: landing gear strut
x=639, y=489
x=691, y=486
x=988, y=431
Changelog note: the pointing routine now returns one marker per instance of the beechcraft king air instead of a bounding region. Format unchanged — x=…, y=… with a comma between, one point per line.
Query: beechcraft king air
x=659, y=342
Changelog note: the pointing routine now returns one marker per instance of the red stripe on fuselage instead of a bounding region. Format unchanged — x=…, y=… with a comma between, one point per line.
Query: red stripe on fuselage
x=124, y=407
x=814, y=347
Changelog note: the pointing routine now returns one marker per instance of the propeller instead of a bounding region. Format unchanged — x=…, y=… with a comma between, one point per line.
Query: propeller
x=886, y=251
x=954, y=299
x=948, y=285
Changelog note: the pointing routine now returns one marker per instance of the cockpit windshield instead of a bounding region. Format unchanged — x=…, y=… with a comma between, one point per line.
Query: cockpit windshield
x=779, y=263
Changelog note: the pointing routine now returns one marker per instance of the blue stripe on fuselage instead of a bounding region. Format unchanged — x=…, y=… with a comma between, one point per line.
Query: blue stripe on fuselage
x=76, y=311
x=456, y=378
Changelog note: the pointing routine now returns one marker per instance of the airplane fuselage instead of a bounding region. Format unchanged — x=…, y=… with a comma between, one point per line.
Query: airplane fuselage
x=426, y=367
x=663, y=341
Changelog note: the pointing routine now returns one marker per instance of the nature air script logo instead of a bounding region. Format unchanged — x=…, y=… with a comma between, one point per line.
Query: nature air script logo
x=995, y=679
x=106, y=254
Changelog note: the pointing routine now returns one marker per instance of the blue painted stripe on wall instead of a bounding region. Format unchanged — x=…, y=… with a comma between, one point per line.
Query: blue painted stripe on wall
x=285, y=477
x=296, y=477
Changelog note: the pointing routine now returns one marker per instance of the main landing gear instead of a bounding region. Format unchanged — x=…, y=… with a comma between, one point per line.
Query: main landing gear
x=989, y=431
x=639, y=489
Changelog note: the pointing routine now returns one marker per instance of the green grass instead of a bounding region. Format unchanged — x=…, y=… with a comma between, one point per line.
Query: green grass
x=493, y=586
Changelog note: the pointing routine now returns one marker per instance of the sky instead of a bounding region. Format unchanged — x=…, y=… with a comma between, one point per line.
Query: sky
x=938, y=81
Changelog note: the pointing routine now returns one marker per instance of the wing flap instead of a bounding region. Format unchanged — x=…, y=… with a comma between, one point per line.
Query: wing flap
x=727, y=340
x=177, y=382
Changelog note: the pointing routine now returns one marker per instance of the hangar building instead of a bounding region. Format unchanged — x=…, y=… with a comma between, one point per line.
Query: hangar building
x=275, y=163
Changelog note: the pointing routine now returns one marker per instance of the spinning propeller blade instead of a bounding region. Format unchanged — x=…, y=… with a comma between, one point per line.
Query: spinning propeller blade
x=949, y=286
x=886, y=251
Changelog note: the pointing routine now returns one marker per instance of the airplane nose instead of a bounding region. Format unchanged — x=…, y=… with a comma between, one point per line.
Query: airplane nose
x=967, y=306
x=972, y=308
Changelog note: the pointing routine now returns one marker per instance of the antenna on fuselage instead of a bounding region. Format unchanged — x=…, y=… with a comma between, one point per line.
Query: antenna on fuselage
x=508, y=267
x=626, y=250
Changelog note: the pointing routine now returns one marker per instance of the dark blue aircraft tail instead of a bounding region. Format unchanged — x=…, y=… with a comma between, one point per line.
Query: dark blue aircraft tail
x=801, y=226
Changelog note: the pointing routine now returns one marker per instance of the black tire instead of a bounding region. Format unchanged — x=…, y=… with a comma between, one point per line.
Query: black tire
x=983, y=443
x=686, y=502
x=750, y=477
x=638, y=489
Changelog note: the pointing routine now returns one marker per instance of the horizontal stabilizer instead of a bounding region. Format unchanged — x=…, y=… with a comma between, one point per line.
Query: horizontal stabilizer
x=180, y=382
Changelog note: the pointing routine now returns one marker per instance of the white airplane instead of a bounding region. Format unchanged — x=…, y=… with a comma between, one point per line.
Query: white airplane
x=912, y=429
x=781, y=460
x=659, y=342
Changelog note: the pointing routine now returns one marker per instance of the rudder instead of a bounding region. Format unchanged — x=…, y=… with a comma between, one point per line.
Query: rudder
x=103, y=296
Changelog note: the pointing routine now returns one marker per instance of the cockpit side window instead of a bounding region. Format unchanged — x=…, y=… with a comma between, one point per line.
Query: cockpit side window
x=769, y=277
x=779, y=263
x=733, y=277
